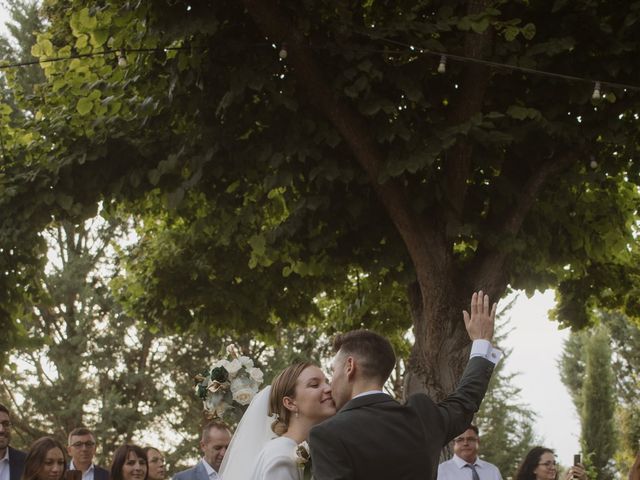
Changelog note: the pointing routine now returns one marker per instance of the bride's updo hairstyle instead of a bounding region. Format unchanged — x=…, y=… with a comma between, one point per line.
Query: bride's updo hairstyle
x=284, y=385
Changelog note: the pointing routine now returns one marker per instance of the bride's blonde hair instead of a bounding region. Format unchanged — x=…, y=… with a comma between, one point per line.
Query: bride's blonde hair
x=284, y=385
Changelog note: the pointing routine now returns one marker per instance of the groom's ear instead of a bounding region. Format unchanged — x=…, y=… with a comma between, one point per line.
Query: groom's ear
x=350, y=367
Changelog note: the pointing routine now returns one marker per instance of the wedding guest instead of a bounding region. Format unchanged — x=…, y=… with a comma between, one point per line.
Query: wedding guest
x=373, y=436
x=465, y=463
x=214, y=442
x=45, y=460
x=298, y=398
x=155, y=463
x=540, y=464
x=129, y=463
x=81, y=448
x=11, y=460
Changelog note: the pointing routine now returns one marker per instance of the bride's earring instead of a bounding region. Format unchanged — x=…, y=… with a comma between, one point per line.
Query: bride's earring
x=297, y=414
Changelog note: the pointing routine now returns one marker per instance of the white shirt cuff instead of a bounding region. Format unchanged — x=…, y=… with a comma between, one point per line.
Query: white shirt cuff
x=484, y=349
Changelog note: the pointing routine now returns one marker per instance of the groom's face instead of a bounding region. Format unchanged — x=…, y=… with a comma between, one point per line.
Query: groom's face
x=340, y=389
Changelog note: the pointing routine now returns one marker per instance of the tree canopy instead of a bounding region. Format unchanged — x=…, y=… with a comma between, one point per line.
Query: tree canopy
x=276, y=150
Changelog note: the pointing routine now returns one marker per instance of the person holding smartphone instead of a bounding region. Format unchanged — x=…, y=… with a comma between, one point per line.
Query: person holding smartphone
x=540, y=464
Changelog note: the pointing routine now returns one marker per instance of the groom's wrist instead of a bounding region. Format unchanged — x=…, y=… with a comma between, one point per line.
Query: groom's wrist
x=483, y=348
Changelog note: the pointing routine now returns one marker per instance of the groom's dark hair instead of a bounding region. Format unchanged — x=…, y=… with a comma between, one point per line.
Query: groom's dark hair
x=374, y=352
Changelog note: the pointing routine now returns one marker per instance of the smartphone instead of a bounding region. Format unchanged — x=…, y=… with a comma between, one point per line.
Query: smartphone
x=576, y=459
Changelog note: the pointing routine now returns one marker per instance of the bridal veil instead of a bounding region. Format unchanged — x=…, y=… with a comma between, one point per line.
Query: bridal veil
x=252, y=434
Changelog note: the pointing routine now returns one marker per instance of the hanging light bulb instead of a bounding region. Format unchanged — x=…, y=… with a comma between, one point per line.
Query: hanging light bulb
x=283, y=51
x=122, y=59
x=442, y=66
x=596, y=95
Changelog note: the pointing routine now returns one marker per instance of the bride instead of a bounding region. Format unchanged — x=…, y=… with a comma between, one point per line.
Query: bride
x=265, y=449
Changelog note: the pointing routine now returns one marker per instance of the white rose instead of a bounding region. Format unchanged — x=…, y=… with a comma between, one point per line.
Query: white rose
x=256, y=375
x=246, y=362
x=244, y=395
x=234, y=367
x=222, y=363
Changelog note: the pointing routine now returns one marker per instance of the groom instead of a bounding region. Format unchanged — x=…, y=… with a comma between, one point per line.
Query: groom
x=373, y=436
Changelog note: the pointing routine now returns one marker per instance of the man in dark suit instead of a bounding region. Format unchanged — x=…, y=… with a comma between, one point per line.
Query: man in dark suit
x=373, y=436
x=11, y=460
x=82, y=449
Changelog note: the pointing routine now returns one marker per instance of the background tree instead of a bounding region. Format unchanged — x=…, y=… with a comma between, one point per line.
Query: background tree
x=339, y=149
x=587, y=372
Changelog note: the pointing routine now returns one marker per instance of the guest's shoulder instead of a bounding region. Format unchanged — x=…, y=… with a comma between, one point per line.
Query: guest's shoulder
x=16, y=454
x=186, y=473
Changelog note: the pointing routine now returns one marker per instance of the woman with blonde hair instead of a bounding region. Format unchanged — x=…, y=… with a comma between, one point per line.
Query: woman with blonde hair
x=276, y=423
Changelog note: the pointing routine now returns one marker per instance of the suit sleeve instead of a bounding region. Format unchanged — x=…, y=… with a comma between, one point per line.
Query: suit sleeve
x=329, y=458
x=457, y=409
x=454, y=414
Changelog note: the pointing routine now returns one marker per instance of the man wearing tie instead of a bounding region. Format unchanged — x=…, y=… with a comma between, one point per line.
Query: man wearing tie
x=465, y=464
x=215, y=440
x=81, y=450
x=11, y=460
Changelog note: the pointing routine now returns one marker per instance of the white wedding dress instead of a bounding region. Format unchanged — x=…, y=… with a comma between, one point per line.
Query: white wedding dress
x=255, y=452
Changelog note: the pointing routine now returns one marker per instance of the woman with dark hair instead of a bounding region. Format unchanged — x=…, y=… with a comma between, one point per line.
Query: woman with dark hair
x=129, y=463
x=45, y=460
x=540, y=464
x=155, y=463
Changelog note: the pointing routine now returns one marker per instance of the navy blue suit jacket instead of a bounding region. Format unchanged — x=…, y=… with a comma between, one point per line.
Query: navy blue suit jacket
x=16, y=463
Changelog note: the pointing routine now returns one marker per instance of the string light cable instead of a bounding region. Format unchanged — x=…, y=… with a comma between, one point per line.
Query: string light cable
x=407, y=48
x=120, y=54
x=443, y=56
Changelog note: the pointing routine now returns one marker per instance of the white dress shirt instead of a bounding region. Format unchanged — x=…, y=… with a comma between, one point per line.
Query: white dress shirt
x=88, y=475
x=455, y=469
x=213, y=475
x=4, y=466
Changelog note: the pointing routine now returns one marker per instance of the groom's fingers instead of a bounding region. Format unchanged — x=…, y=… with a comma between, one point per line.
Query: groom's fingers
x=467, y=319
x=486, y=305
x=474, y=306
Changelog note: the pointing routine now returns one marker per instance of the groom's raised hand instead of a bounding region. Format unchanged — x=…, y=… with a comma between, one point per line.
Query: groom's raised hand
x=481, y=321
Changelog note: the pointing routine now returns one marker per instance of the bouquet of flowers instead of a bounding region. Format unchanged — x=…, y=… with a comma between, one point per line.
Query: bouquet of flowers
x=231, y=381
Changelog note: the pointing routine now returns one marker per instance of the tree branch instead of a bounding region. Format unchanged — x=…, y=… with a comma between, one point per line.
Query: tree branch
x=473, y=87
x=426, y=252
x=490, y=271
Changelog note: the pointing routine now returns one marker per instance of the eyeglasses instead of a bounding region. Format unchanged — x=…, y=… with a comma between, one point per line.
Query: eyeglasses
x=466, y=440
x=549, y=464
x=88, y=444
x=6, y=424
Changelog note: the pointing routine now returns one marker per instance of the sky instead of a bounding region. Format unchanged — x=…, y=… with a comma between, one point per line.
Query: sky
x=536, y=345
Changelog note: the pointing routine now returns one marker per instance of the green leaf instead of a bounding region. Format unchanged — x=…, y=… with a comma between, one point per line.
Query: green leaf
x=99, y=37
x=86, y=21
x=84, y=106
x=528, y=31
x=510, y=33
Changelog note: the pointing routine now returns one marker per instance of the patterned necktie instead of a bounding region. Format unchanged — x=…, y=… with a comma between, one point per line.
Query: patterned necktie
x=474, y=472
